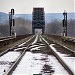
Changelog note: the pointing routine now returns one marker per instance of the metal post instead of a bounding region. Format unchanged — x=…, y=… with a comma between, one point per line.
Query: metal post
x=12, y=13
x=10, y=23
x=65, y=24
x=11, y=20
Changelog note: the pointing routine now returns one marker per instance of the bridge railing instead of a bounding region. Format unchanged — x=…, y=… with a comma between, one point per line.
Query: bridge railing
x=11, y=39
x=6, y=40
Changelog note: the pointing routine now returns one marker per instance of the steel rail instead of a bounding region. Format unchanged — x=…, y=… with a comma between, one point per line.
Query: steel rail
x=7, y=50
x=59, y=58
x=9, y=72
x=62, y=46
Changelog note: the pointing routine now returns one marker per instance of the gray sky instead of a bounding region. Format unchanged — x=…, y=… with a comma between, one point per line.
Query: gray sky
x=74, y=5
x=26, y=6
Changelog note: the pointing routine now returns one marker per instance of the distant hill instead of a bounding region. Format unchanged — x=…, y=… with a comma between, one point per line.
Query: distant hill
x=3, y=17
x=25, y=16
x=24, y=26
x=51, y=16
x=48, y=16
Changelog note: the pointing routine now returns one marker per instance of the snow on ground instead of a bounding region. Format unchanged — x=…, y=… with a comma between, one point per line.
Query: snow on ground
x=20, y=48
x=3, y=67
x=6, y=59
x=27, y=64
x=35, y=40
x=24, y=42
x=10, y=56
x=40, y=40
x=70, y=61
x=36, y=48
x=21, y=44
x=33, y=63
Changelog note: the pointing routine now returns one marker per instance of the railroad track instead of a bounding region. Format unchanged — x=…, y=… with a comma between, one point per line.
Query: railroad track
x=12, y=56
x=68, y=48
x=64, y=55
x=40, y=57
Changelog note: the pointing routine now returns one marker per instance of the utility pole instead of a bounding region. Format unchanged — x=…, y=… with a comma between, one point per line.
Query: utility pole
x=11, y=21
x=65, y=23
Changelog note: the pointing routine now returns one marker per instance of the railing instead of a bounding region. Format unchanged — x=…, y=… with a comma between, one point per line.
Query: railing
x=10, y=39
x=6, y=40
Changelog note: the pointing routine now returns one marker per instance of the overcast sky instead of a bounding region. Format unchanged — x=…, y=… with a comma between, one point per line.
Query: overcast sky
x=74, y=5
x=26, y=6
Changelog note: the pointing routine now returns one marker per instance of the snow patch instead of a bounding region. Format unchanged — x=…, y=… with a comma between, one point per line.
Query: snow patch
x=70, y=61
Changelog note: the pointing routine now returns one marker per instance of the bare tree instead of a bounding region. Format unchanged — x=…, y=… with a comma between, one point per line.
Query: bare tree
x=23, y=26
x=56, y=27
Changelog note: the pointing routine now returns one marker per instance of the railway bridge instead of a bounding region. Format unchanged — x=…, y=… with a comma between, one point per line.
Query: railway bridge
x=38, y=19
x=37, y=54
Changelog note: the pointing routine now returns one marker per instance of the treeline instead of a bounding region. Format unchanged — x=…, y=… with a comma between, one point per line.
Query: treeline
x=56, y=27
x=4, y=28
x=24, y=26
